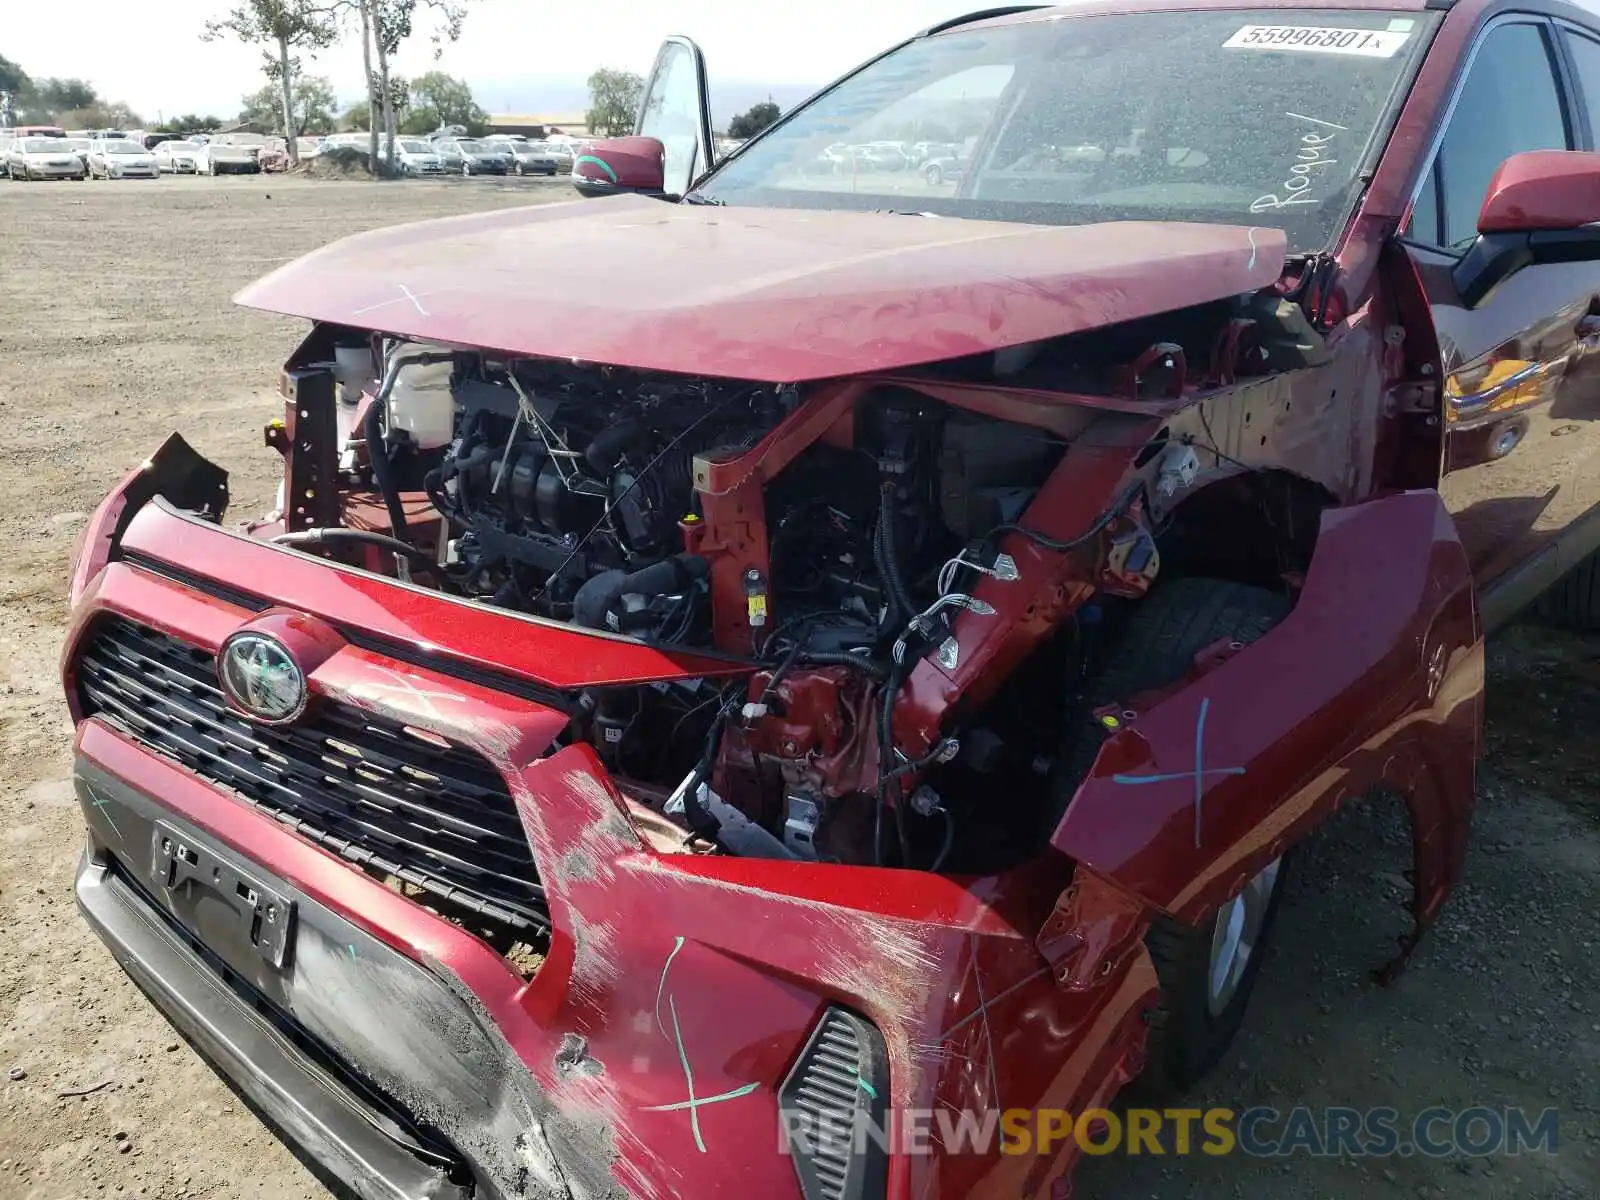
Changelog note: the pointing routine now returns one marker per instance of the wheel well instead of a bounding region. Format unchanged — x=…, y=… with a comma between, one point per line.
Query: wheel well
x=1255, y=528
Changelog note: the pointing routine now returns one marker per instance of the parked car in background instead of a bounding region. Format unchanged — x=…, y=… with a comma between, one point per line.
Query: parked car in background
x=43, y=158
x=562, y=153
x=217, y=157
x=416, y=156
x=527, y=158
x=121, y=158
x=477, y=158
x=81, y=147
x=940, y=171
x=178, y=157
x=449, y=152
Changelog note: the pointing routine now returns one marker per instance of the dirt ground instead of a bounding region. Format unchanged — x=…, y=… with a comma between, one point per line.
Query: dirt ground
x=115, y=328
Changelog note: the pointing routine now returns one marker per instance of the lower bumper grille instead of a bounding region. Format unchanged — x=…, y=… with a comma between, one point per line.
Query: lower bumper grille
x=439, y=818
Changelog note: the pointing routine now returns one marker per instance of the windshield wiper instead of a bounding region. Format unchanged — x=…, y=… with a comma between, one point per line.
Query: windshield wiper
x=698, y=198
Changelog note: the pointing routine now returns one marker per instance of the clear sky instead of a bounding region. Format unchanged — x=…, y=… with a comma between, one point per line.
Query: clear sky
x=518, y=55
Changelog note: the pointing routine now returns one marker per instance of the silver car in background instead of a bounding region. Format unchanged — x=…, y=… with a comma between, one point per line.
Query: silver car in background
x=414, y=156
x=178, y=157
x=563, y=154
x=527, y=158
x=121, y=158
x=43, y=158
x=474, y=158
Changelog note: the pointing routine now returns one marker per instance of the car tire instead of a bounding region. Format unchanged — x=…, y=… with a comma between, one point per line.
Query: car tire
x=518, y=170
x=1195, y=1019
x=934, y=175
x=1574, y=600
x=466, y=170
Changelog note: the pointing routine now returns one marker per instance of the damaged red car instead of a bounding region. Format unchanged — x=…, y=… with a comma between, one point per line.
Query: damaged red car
x=777, y=649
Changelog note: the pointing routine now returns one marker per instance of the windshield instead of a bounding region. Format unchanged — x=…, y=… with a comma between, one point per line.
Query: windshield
x=46, y=146
x=124, y=147
x=411, y=147
x=469, y=147
x=181, y=146
x=1214, y=116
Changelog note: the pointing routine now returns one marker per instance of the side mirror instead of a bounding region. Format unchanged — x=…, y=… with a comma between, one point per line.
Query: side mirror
x=1543, y=206
x=629, y=164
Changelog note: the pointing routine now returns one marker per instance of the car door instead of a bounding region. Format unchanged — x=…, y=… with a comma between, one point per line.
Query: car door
x=676, y=111
x=1521, y=465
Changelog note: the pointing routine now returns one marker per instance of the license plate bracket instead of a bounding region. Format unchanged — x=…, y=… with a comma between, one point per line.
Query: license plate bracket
x=190, y=876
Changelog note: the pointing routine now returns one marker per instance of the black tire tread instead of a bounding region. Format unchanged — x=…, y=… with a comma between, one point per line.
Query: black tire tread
x=1157, y=645
x=1574, y=601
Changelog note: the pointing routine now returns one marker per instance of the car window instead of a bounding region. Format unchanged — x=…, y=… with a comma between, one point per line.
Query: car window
x=1238, y=116
x=1508, y=104
x=1586, y=58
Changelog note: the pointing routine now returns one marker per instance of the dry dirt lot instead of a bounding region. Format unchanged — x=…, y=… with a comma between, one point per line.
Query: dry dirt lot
x=115, y=328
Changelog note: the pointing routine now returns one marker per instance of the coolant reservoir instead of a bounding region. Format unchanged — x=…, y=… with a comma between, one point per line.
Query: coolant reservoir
x=421, y=404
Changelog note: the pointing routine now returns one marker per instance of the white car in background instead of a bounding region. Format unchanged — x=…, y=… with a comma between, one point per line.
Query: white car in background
x=415, y=156
x=121, y=158
x=178, y=157
x=43, y=158
x=228, y=157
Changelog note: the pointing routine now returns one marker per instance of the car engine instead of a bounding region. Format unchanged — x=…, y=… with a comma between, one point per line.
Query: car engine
x=589, y=495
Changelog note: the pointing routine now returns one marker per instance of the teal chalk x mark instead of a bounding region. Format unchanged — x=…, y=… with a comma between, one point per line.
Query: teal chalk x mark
x=599, y=162
x=352, y=950
x=867, y=1087
x=662, y=986
x=694, y=1103
x=1198, y=774
x=103, y=804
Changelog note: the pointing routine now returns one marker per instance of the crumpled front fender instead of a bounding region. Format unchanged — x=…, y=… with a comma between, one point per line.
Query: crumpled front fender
x=1373, y=681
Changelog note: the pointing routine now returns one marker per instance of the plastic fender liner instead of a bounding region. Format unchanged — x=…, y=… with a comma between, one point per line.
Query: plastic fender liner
x=1374, y=680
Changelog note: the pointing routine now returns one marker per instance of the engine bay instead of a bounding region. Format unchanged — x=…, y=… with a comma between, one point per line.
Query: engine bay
x=817, y=545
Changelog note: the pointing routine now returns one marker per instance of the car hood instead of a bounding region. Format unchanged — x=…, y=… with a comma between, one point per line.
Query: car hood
x=776, y=295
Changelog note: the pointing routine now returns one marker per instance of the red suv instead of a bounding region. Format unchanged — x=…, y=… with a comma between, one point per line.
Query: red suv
x=742, y=674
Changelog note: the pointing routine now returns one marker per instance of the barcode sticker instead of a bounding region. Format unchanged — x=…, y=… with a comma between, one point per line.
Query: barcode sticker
x=1307, y=39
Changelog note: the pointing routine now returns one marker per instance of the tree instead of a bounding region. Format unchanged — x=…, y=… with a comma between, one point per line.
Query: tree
x=313, y=107
x=100, y=115
x=385, y=25
x=14, y=83
x=614, y=98
x=279, y=25
x=437, y=100
x=748, y=124
x=189, y=123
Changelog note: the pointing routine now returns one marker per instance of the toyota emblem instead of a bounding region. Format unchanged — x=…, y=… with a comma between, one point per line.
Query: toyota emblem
x=261, y=678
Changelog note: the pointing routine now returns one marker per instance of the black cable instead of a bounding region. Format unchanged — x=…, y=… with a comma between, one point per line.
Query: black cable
x=885, y=774
x=1059, y=546
x=383, y=469
x=318, y=537
x=611, y=505
x=949, y=840
x=888, y=562
x=843, y=658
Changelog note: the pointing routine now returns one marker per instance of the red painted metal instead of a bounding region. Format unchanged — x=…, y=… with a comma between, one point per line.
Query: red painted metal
x=626, y=162
x=943, y=966
x=1360, y=687
x=778, y=295
x=1542, y=189
x=545, y=652
x=1026, y=989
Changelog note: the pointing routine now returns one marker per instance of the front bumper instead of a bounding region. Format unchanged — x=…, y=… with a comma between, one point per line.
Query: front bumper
x=646, y=1054
x=473, y=1123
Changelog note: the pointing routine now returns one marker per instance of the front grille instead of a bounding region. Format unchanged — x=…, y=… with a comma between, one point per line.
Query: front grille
x=834, y=1104
x=436, y=817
